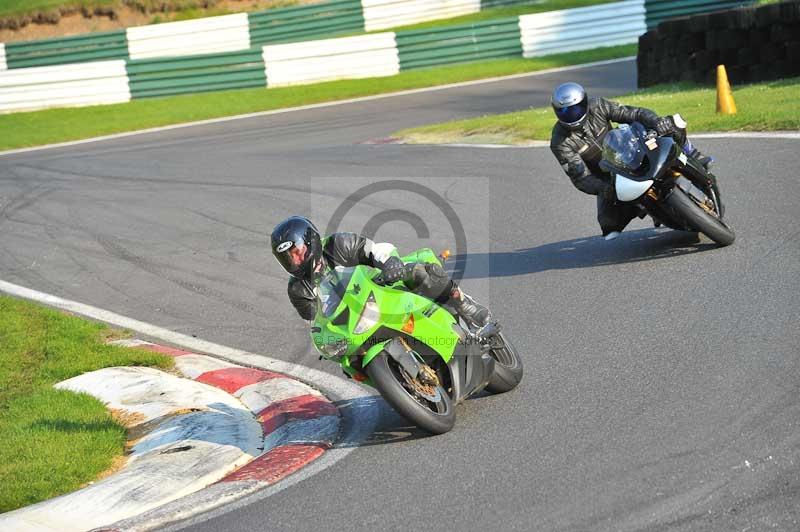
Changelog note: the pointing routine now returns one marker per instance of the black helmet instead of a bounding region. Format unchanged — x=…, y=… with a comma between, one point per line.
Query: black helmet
x=297, y=246
x=570, y=104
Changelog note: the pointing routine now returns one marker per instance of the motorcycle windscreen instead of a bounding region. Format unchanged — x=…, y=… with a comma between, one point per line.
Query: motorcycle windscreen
x=332, y=289
x=623, y=147
x=629, y=190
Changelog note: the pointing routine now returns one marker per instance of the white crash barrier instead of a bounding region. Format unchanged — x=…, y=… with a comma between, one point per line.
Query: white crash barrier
x=329, y=59
x=382, y=14
x=582, y=28
x=101, y=82
x=227, y=33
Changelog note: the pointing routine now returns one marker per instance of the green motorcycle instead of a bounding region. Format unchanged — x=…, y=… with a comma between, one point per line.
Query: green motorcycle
x=419, y=355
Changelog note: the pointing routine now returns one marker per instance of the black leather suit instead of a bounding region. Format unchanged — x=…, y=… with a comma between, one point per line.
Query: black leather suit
x=351, y=249
x=579, y=153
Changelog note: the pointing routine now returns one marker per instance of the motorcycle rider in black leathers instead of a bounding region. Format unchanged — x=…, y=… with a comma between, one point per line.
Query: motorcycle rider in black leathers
x=577, y=141
x=300, y=250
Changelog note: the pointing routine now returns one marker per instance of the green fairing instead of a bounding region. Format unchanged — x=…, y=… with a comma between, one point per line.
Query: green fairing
x=433, y=326
x=372, y=352
x=422, y=255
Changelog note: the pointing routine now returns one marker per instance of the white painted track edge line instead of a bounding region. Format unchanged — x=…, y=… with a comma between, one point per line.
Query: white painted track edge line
x=747, y=135
x=316, y=106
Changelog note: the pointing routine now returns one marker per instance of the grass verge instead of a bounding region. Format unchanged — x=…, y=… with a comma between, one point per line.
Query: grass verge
x=174, y=10
x=29, y=7
x=770, y=106
x=54, y=441
x=168, y=9
x=60, y=125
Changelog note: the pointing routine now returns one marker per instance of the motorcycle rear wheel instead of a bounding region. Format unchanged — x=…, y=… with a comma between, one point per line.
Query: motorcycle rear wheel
x=697, y=218
x=434, y=417
x=507, y=367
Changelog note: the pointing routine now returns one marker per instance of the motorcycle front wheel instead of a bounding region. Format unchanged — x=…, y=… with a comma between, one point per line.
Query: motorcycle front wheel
x=699, y=219
x=430, y=409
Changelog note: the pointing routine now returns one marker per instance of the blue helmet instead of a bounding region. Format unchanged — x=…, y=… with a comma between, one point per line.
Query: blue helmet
x=570, y=104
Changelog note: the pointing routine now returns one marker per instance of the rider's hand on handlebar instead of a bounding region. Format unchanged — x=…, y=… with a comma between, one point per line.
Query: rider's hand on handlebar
x=665, y=126
x=394, y=270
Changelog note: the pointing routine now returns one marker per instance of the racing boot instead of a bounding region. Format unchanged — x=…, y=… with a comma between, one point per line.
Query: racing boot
x=473, y=312
x=691, y=151
x=705, y=160
x=682, y=139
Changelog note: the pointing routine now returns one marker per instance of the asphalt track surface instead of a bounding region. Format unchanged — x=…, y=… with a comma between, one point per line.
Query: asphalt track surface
x=662, y=373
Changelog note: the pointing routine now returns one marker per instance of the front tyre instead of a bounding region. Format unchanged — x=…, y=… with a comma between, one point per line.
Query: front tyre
x=507, y=366
x=697, y=218
x=436, y=416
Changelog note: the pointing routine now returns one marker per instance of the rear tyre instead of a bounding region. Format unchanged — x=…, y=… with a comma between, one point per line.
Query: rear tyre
x=436, y=417
x=699, y=219
x=507, y=366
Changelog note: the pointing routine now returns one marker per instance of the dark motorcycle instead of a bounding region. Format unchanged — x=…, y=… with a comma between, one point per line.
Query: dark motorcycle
x=672, y=187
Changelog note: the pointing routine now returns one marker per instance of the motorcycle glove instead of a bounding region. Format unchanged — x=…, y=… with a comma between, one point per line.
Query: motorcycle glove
x=394, y=270
x=665, y=126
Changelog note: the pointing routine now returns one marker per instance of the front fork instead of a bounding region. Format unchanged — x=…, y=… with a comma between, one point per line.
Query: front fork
x=713, y=190
x=698, y=175
x=707, y=197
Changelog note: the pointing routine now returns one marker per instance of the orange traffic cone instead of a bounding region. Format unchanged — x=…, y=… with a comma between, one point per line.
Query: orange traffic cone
x=725, y=103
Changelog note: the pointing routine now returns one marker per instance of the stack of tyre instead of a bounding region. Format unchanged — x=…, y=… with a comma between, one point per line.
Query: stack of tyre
x=756, y=43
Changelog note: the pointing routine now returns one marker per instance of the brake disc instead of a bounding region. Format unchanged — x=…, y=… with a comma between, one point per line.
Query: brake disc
x=428, y=390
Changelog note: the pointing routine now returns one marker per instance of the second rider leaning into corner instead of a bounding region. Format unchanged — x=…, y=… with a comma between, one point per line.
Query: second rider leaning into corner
x=577, y=142
x=305, y=255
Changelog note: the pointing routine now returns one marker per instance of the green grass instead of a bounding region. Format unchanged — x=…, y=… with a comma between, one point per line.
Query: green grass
x=21, y=7
x=769, y=106
x=530, y=7
x=53, y=441
x=190, y=9
x=190, y=13
x=59, y=125
x=175, y=9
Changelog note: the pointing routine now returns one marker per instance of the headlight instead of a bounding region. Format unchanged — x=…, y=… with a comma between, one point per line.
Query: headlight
x=369, y=316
